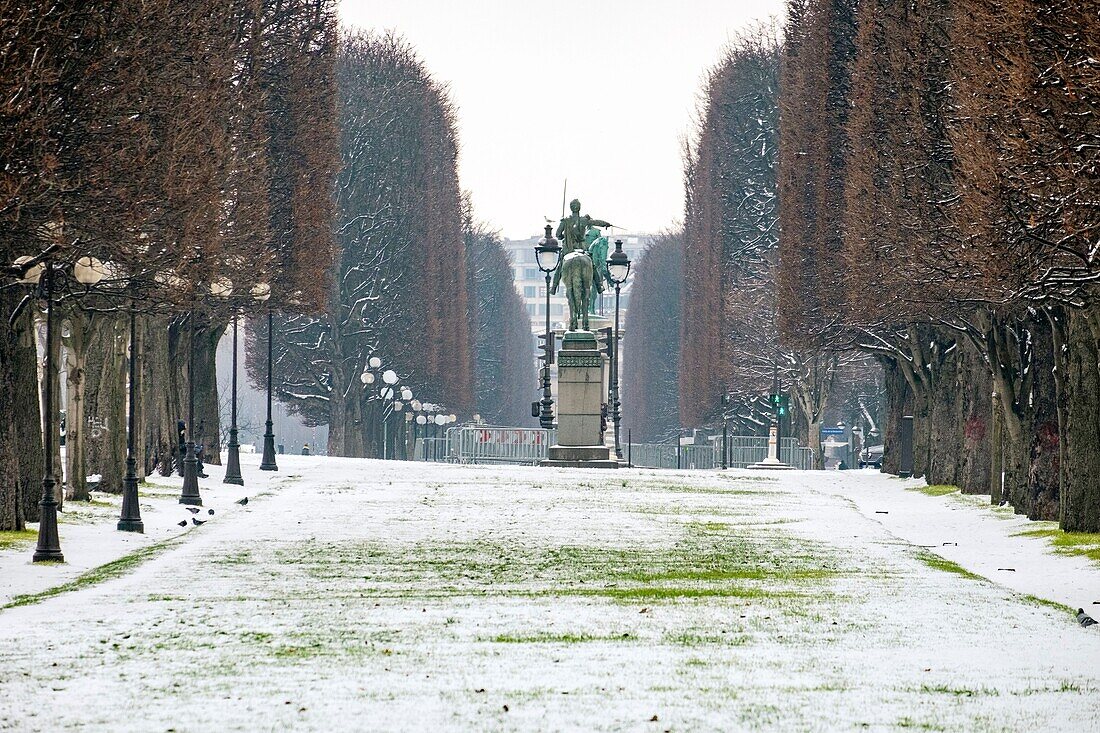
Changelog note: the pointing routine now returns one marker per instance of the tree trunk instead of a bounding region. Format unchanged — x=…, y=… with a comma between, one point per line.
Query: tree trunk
x=176, y=394
x=158, y=422
x=76, y=358
x=974, y=387
x=897, y=405
x=1044, y=454
x=996, y=450
x=1080, y=505
x=20, y=441
x=106, y=403
x=27, y=409
x=207, y=407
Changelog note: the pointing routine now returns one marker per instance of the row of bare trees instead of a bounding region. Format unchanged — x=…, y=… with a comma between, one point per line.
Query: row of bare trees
x=187, y=145
x=938, y=190
x=651, y=342
x=731, y=353
x=417, y=286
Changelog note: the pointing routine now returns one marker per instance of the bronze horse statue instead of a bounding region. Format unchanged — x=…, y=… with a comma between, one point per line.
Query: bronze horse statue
x=577, y=272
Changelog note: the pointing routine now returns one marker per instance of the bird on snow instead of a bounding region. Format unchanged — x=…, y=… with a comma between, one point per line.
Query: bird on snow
x=198, y=521
x=183, y=523
x=193, y=510
x=210, y=511
x=1084, y=619
x=243, y=501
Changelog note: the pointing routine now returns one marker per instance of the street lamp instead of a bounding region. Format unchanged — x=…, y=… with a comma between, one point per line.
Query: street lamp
x=30, y=271
x=618, y=269
x=221, y=288
x=129, y=519
x=260, y=292
x=268, y=461
x=547, y=256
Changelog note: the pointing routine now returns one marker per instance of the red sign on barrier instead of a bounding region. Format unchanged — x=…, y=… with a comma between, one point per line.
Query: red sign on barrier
x=497, y=436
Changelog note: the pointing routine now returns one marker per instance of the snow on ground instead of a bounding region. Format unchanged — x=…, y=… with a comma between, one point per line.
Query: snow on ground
x=365, y=595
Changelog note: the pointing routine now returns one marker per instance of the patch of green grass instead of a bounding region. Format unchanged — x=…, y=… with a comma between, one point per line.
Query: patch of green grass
x=908, y=722
x=548, y=638
x=665, y=593
x=299, y=652
x=16, y=538
x=709, y=559
x=717, y=573
x=933, y=560
x=109, y=571
x=1086, y=544
x=689, y=639
x=936, y=489
x=1049, y=604
x=243, y=557
x=959, y=691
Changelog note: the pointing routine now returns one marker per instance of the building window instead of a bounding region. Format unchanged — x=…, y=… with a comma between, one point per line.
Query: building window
x=531, y=273
x=532, y=309
x=529, y=291
x=542, y=291
x=557, y=309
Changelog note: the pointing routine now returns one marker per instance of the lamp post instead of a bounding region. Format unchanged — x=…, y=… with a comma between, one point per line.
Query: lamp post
x=233, y=462
x=268, y=462
x=618, y=269
x=220, y=288
x=190, y=492
x=40, y=271
x=390, y=378
x=260, y=292
x=129, y=519
x=547, y=256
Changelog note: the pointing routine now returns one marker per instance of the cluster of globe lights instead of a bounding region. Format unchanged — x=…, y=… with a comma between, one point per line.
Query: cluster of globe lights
x=402, y=395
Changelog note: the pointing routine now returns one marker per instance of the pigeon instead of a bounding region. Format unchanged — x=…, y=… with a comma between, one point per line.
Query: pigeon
x=198, y=521
x=243, y=501
x=193, y=510
x=210, y=511
x=183, y=523
x=1084, y=619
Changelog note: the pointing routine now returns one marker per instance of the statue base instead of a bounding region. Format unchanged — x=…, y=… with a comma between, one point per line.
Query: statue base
x=580, y=401
x=580, y=456
x=772, y=464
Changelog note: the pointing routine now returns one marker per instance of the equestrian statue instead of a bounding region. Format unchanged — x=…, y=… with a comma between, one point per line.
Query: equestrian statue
x=575, y=267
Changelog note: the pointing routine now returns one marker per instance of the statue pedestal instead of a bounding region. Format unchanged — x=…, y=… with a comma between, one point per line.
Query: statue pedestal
x=580, y=397
x=772, y=462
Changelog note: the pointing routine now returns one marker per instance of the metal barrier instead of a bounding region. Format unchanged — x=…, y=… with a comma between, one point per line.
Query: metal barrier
x=485, y=444
x=744, y=450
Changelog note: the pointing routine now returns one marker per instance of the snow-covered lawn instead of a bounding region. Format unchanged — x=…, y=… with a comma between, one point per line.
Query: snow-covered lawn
x=363, y=595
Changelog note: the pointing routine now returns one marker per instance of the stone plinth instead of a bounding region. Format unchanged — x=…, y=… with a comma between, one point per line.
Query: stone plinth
x=772, y=462
x=580, y=399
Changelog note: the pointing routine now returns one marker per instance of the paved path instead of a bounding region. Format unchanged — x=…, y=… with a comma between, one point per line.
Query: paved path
x=379, y=596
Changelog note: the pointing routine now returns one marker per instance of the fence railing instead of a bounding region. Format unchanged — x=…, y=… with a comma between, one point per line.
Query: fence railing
x=487, y=444
x=477, y=444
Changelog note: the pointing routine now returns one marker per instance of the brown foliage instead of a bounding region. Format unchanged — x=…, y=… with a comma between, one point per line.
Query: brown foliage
x=651, y=342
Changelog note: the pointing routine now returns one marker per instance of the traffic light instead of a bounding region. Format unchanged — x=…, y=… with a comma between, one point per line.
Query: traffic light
x=781, y=403
x=546, y=345
x=606, y=340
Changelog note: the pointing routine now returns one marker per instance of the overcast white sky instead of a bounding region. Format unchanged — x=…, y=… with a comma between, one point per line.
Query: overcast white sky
x=599, y=92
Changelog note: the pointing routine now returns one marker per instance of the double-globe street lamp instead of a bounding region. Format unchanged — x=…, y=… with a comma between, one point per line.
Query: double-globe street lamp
x=40, y=272
x=618, y=269
x=221, y=289
x=547, y=255
x=260, y=293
